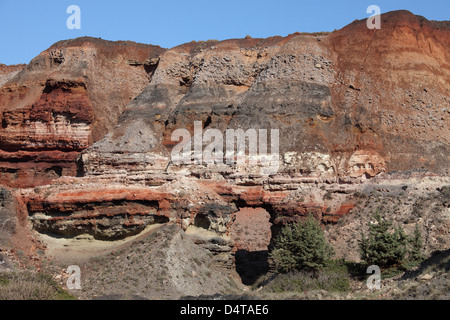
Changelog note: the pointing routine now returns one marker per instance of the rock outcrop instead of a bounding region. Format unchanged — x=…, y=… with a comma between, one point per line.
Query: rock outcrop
x=349, y=106
x=62, y=101
x=8, y=218
x=328, y=99
x=8, y=72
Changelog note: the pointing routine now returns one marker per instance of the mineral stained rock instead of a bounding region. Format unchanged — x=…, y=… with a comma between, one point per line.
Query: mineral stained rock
x=61, y=102
x=87, y=126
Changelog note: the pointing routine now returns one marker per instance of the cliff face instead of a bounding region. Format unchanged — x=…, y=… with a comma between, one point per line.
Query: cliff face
x=349, y=106
x=354, y=102
x=66, y=98
x=8, y=72
x=399, y=89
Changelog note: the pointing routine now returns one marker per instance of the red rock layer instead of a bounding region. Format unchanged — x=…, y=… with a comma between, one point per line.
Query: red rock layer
x=351, y=104
x=41, y=142
x=66, y=98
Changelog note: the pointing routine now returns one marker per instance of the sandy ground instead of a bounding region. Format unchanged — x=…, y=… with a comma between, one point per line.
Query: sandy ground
x=84, y=247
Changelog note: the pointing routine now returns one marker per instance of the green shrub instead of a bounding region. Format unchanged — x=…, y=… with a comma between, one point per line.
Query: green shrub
x=334, y=277
x=416, y=243
x=382, y=247
x=388, y=246
x=301, y=246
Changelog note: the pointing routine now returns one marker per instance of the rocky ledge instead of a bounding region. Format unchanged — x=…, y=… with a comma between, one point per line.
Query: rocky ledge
x=87, y=131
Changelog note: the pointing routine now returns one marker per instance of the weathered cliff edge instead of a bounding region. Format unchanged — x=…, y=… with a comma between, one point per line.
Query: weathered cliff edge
x=86, y=131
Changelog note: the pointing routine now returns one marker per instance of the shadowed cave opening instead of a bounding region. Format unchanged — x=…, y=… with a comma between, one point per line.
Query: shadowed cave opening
x=252, y=234
x=202, y=221
x=54, y=171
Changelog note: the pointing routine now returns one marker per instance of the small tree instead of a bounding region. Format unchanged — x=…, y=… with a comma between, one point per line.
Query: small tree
x=416, y=244
x=301, y=246
x=385, y=245
x=388, y=246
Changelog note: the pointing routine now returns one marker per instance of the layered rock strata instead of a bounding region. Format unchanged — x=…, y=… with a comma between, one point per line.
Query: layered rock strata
x=64, y=100
x=351, y=107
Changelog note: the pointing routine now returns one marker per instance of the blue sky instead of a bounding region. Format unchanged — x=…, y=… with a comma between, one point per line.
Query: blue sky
x=29, y=27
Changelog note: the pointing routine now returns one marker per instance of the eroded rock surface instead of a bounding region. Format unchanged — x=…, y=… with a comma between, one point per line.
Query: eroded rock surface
x=62, y=101
x=352, y=107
